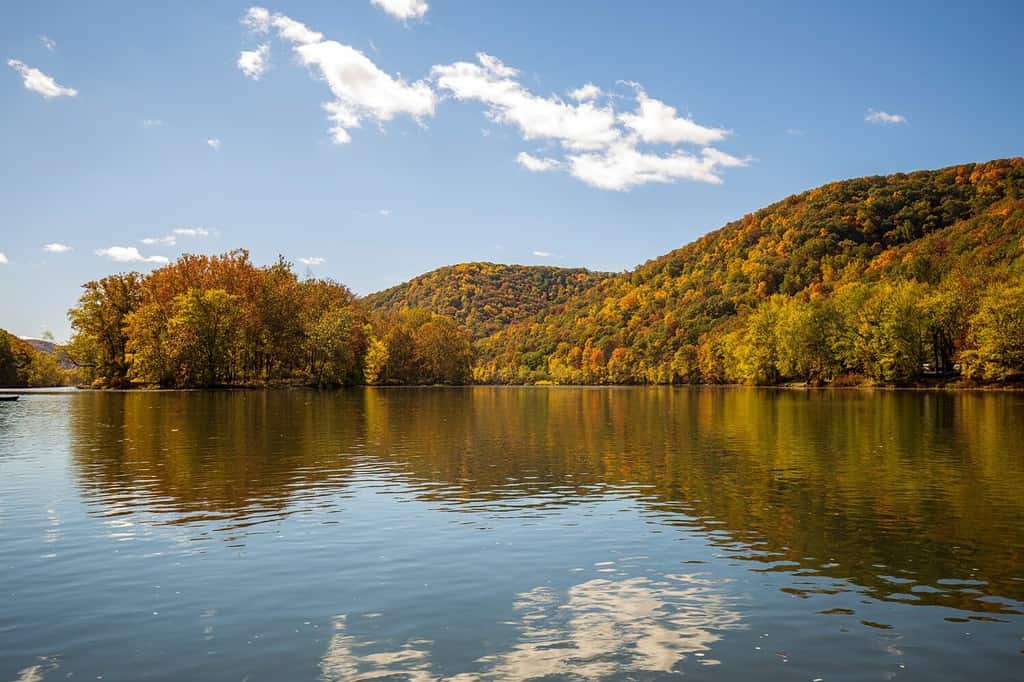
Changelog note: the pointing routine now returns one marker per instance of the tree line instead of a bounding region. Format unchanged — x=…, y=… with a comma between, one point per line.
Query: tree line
x=206, y=321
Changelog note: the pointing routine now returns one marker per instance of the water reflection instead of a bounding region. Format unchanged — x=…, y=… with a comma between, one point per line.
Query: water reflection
x=594, y=630
x=911, y=497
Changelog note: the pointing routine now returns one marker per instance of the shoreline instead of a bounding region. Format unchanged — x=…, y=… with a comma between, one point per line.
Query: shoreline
x=946, y=388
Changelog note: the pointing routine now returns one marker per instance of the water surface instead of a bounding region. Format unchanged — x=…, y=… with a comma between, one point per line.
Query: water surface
x=512, y=534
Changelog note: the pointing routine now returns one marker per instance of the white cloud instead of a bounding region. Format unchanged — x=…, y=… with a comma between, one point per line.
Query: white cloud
x=586, y=93
x=542, y=254
x=386, y=212
x=655, y=121
x=37, y=81
x=604, y=148
x=312, y=260
x=361, y=90
x=623, y=166
x=128, y=254
x=214, y=144
x=192, y=232
x=883, y=117
x=56, y=248
x=580, y=126
x=536, y=164
x=796, y=132
x=403, y=9
x=172, y=239
x=151, y=122
x=3, y=259
x=49, y=43
x=253, y=63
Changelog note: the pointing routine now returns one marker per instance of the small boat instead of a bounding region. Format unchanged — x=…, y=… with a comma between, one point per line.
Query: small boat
x=8, y=398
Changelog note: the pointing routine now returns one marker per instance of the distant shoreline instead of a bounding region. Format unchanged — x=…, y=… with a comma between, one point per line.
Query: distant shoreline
x=946, y=388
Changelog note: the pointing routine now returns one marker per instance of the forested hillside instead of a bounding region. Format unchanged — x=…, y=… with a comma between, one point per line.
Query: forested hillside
x=487, y=297
x=888, y=278
x=22, y=365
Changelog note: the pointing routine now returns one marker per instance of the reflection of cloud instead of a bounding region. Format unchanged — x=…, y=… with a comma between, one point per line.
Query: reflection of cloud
x=599, y=628
x=606, y=627
x=36, y=673
x=344, y=659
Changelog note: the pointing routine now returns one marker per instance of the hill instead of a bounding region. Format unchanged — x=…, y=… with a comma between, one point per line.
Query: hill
x=487, y=297
x=882, y=276
x=21, y=364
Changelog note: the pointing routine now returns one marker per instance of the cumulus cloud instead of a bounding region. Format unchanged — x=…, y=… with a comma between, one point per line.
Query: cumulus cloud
x=56, y=247
x=3, y=259
x=884, y=117
x=312, y=260
x=214, y=144
x=536, y=164
x=586, y=93
x=361, y=90
x=37, y=81
x=403, y=9
x=49, y=43
x=128, y=254
x=254, y=62
x=575, y=126
x=655, y=121
x=623, y=166
x=602, y=147
x=542, y=254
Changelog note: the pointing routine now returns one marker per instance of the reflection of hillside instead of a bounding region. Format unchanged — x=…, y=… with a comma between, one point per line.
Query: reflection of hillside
x=206, y=455
x=597, y=629
x=895, y=492
x=879, y=488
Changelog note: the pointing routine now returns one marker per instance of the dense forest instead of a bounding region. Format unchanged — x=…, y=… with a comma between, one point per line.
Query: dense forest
x=221, y=320
x=21, y=365
x=888, y=279
x=487, y=297
x=898, y=279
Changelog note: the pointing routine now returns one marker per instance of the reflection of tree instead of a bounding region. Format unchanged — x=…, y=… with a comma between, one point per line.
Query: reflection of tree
x=860, y=486
x=208, y=455
x=597, y=629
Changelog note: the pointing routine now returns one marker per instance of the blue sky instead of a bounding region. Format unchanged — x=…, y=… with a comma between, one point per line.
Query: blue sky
x=699, y=114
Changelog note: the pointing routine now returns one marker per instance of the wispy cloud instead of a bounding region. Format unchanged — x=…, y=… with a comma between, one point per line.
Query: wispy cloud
x=151, y=122
x=884, y=117
x=543, y=254
x=3, y=259
x=312, y=260
x=37, y=81
x=536, y=164
x=128, y=254
x=361, y=90
x=47, y=42
x=403, y=9
x=56, y=247
x=214, y=144
x=795, y=132
x=172, y=238
x=385, y=212
x=192, y=232
x=253, y=63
